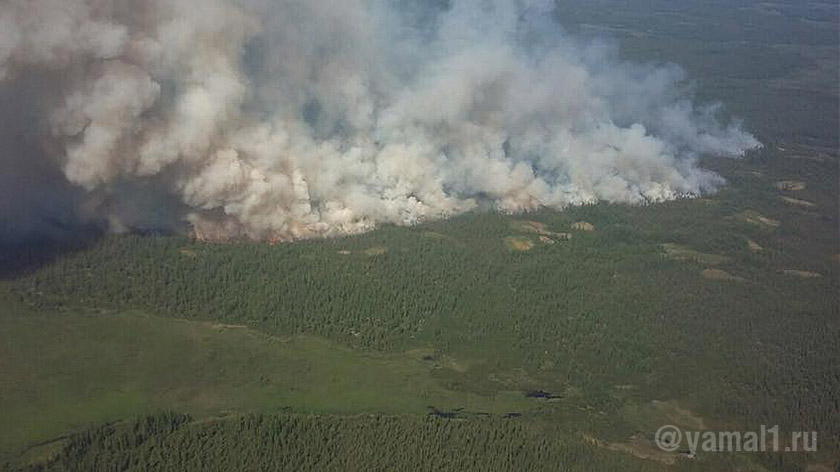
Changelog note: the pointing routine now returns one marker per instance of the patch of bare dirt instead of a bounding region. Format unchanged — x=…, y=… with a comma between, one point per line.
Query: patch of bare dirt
x=526, y=243
x=524, y=226
x=223, y=326
x=583, y=226
x=519, y=244
x=798, y=202
x=527, y=226
x=188, y=252
x=376, y=251
x=791, y=185
x=756, y=218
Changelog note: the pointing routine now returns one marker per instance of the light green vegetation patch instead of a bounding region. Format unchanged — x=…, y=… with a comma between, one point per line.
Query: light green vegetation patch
x=527, y=228
x=755, y=218
x=717, y=274
x=753, y=246
x=541, y=229
x=683, y=253
x=66, y=370
x=798, y=202
x=519, y=244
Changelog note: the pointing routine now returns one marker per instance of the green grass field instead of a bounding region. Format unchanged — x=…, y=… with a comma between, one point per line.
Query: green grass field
x=64, y=370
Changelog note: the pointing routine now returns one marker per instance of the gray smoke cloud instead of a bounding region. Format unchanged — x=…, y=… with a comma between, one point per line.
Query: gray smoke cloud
x=286, y=119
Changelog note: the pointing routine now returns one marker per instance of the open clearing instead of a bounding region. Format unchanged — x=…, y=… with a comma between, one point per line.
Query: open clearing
x=583, y=226
x=522, y=243
x=798, y=202
x=754, y=247
x=755, y=218
x=525, y=226
x=682, y=253
x=519, y=244
x=188, y=252
x=647, y=418
x=98, y=367
x=791, y=185
x=375, y=251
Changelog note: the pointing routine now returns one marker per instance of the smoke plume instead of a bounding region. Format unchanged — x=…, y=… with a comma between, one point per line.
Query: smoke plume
x=285, y=119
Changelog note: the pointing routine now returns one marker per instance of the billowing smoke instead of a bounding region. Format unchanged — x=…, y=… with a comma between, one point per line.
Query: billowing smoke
x=300, y=118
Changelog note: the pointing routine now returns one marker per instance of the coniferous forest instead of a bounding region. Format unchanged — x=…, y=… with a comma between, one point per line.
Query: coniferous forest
x=550, y=340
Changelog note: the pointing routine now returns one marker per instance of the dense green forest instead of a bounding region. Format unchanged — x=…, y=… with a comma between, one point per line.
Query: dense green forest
x=340, y=443
x=587, y=317
x=603, y=308
x=294, y=442
x=555, y=340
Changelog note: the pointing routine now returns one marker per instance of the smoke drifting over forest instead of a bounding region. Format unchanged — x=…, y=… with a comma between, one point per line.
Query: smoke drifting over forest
x=283, y=119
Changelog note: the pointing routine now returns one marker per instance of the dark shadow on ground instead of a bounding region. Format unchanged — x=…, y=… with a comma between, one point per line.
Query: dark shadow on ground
x=22, y=254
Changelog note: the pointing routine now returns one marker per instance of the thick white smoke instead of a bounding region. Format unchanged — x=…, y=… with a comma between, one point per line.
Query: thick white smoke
x=300, y=118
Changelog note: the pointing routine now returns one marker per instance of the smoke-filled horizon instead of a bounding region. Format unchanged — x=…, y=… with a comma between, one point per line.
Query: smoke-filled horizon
x=286, y=119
